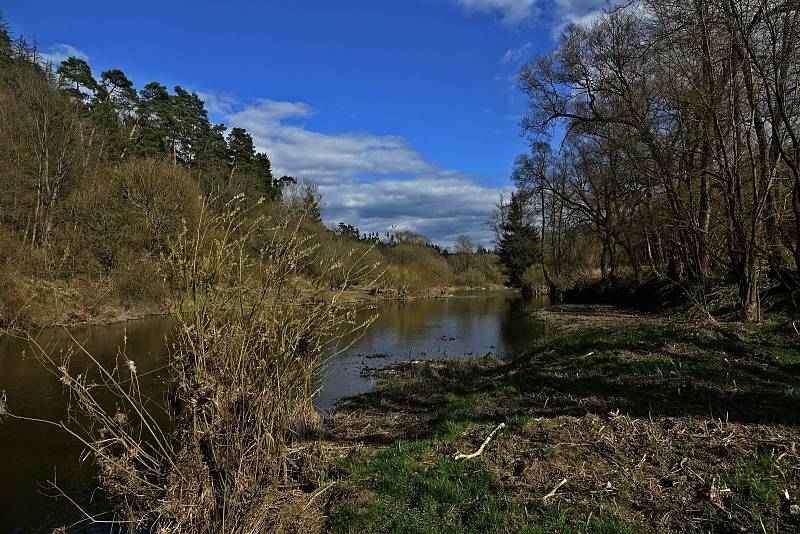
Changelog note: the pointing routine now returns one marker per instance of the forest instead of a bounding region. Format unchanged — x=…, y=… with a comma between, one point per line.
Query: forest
x=665, y=141
x=98, y=176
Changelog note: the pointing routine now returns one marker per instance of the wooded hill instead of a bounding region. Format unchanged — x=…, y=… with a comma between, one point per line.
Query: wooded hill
x=97, y=175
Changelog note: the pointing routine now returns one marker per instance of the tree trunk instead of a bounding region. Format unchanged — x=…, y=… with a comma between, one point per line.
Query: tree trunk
x=748, y=289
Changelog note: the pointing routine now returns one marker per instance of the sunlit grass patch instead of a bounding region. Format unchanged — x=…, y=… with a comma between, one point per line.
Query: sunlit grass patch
x=414, y=494
x=755, y=484
x=559, y=518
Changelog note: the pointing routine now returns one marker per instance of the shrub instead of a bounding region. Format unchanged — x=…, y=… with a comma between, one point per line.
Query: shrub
x=250, y=342
x=138, y=281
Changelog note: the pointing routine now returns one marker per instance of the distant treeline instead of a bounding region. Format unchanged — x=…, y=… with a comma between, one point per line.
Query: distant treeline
x=96, y=176
x=680, y=152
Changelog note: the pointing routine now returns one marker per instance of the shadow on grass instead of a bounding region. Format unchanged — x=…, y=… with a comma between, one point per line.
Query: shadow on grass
x=642, y=371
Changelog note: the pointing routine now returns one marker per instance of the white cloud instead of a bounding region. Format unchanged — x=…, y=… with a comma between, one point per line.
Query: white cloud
x=298, y=151
x=61, y=51
x=221, y=104
x=441, y=206
x=375, y=182
x=510, y=12
x=556, y=13
x=515, y=55
x=581, y=12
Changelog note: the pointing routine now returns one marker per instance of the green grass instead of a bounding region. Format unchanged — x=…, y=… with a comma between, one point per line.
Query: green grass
x=753, y=485
x=417, y=490
x=414, y=494
x=415, y=486
x=560, y=519
x=607, y=339
x=456, y=415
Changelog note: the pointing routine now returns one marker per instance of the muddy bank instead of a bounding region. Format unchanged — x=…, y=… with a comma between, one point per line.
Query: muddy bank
x=621, y=422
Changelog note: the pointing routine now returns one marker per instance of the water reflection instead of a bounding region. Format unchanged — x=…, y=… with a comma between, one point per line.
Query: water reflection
x=468, y=324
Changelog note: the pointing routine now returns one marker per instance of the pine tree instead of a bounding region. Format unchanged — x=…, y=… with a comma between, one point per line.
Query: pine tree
x=76, y=78
x=241, y=152
x=519, y=243
x=5, y=39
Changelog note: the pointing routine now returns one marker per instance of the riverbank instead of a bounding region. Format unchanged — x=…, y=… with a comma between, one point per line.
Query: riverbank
x=618, y=422
x=391, y=294
x=92, y=303
x=35, y=302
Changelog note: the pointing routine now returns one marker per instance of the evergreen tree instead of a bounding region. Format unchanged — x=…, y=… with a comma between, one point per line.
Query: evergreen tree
x=519, y=243
x=212, y=158
x=114, y=108
x=77, y=79
x=5, y=38
x=158, y=134
x=192, y=125
x=241, y=152
x=266, y=185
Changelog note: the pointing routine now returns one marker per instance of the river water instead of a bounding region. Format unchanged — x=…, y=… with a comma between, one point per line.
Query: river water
x=31, y=453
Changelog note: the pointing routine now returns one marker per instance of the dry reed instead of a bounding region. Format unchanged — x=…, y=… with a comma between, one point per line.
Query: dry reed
x=252, y=337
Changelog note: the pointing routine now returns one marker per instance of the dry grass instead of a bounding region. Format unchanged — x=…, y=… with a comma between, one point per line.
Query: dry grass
x=231, y=447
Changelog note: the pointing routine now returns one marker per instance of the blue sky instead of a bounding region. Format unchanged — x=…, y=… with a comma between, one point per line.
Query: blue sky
x=405, y=112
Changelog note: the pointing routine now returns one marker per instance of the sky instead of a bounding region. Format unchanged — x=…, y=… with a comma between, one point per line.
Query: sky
x=405, y=112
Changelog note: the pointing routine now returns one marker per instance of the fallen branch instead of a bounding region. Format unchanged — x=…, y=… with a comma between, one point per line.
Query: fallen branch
x=460, y=456
x=554, y=490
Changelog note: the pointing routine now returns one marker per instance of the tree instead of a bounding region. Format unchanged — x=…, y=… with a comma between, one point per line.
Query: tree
x=311, y=202
x=464, y=245
x=267, y=187
x=519, y=243
x=241, y=152
x=157, y=132
x=192, y=125
x=77, y=79
x=5, y=38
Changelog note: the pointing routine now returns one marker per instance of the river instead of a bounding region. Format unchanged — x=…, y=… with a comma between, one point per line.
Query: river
x=468, y=324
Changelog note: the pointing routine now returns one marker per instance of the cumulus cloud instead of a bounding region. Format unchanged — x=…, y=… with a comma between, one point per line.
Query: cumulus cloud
x=441, y=206
x=61, y=51
x=511, y=12
x=581, y=12
x=299, y=151
x=375, y=182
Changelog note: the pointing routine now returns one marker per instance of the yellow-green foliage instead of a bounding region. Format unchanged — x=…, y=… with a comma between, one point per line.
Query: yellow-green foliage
x=476, y=270
x=534, y=277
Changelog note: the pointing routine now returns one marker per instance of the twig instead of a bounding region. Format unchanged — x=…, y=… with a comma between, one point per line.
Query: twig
x=319, y=492
x=460, y=456
x=554, y=490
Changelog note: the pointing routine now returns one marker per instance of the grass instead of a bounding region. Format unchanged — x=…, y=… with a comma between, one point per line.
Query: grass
x=412, y=494
x=658, y=427
x=754, y=484
x=416, y=490
x=558, y=519
x=231, y=446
